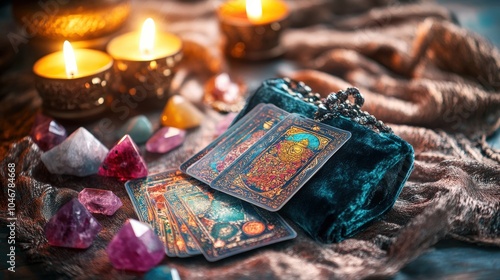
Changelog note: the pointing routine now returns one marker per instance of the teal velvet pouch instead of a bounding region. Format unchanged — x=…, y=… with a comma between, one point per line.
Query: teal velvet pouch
x=357, y=185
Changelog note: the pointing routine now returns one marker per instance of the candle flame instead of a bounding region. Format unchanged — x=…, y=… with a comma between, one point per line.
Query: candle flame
x=147, y=40
x=254, y=9
x=69, y=60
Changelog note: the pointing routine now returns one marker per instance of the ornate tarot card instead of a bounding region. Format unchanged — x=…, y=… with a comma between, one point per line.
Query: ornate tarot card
x=223, y=225
x=184, y=166
x=166, y=231
x=157, y=201
x=276, y=167
x=229, y=149
x=136, y=190
x=184, y=244
x=143, y=206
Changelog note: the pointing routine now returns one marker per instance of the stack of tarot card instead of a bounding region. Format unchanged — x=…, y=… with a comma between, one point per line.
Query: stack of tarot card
x=224, y=199
x=191, y=218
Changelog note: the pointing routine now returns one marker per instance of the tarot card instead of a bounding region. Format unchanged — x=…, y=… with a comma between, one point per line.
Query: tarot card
x=162, y=220
x=184, y=166
x=224, y=225
x=179, y=242
x=154, y=215
x=181, y=231
x=175, y=243
x=277, y=166
x=184, y=244
x=166, y=176
x=164, y=223
x=136, y=191
x=229, y=149
x=143, y=206
x=183, y=238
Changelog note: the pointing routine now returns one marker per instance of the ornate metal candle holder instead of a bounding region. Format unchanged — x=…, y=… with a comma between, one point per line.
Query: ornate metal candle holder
x=82, y=97
x=77, y=98
x=147, y=80
x=252, y=40
x=146, y=62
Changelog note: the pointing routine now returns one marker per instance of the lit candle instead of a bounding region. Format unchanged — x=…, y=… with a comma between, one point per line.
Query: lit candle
x=69, y=60
x=253, y=28
x=146, y=61
x=254, y=10
x=73, y=84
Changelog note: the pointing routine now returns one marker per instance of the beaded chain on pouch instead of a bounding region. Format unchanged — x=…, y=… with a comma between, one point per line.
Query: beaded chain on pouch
x=336, y=104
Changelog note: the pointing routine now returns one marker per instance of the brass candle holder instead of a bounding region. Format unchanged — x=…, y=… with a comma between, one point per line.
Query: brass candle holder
x=145, y=71
x=253, y=37
x=146, y=80
x=78, y=95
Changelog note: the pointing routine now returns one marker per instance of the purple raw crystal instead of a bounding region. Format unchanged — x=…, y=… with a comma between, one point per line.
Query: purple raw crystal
x=135, y=247
x=72, y=226
x=165, y=140
x=100, y=201
x=47, y=133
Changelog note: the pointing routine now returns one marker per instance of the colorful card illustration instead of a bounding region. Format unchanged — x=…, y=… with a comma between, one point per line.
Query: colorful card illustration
x=248, y=117
x=223, y=225
x=158, y=215
x=185, y=246
x=179, y=242
x=208, y=167
x=277, y=166
x=166, y=233
x=136, y=191
x=145, y=210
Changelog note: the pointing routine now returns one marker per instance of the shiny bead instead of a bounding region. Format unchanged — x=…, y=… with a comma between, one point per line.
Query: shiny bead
x=332, y=98
x=342, y=96
x=322, y=109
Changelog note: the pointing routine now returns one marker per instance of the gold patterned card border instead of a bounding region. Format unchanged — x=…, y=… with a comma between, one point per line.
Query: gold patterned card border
x=232, y=180
x=229, y=149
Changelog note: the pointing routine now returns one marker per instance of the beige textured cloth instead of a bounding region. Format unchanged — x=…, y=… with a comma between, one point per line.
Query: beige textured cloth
x=437, y=84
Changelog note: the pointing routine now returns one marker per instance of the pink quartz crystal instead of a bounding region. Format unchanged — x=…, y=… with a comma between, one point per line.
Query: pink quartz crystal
x=165, y=140
x=124, y=161
x=100, y=201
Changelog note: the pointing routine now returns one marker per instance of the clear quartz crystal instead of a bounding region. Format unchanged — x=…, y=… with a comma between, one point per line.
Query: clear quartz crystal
x=80, y=154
